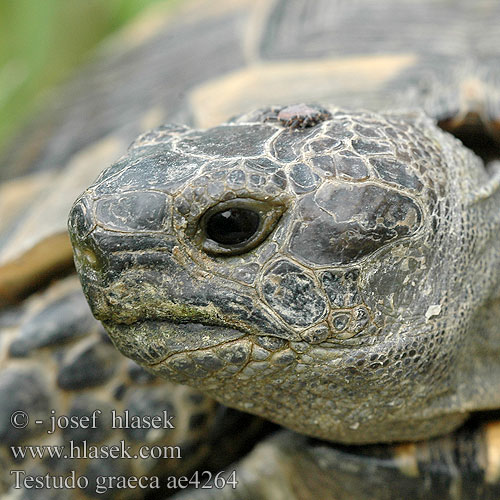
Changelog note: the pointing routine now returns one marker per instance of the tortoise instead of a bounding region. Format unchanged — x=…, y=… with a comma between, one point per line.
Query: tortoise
x=201, y=69
x=56, y=361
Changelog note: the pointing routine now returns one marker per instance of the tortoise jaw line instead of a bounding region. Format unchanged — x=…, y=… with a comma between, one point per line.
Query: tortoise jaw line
x=151, y=342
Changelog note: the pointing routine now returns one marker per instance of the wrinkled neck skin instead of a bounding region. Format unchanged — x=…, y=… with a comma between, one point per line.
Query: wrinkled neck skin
x=478, y=384
x=367, y=307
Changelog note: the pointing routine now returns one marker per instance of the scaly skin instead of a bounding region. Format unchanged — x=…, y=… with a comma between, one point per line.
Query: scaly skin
x=361, y=310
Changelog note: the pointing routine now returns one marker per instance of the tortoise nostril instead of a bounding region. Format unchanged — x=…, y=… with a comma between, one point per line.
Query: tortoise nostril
x=80, y=226
x=80, y=220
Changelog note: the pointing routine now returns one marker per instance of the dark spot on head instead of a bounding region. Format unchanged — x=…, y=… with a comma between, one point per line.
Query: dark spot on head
x=302, y=116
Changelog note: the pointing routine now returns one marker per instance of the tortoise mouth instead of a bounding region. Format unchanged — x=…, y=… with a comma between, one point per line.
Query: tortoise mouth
x=152, y=341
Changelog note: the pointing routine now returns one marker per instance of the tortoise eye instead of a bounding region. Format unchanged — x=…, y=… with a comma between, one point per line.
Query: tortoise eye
x=233, y=226
x=236, y=226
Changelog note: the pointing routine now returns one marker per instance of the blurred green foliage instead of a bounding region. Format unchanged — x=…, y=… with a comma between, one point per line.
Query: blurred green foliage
x=41, y=41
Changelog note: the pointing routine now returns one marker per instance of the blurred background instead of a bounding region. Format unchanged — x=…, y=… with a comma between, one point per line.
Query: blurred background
x=43, y=41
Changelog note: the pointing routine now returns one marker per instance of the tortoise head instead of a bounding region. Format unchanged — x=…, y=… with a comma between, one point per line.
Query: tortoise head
x=328, y=270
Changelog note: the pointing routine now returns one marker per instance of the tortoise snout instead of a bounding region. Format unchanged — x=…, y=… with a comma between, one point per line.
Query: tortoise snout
x=109, y=230
x=81, y=224
x=137, y=211
x=80, y=220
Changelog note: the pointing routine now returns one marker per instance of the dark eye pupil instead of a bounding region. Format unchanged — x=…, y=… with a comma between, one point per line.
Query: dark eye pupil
x=232, y=226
